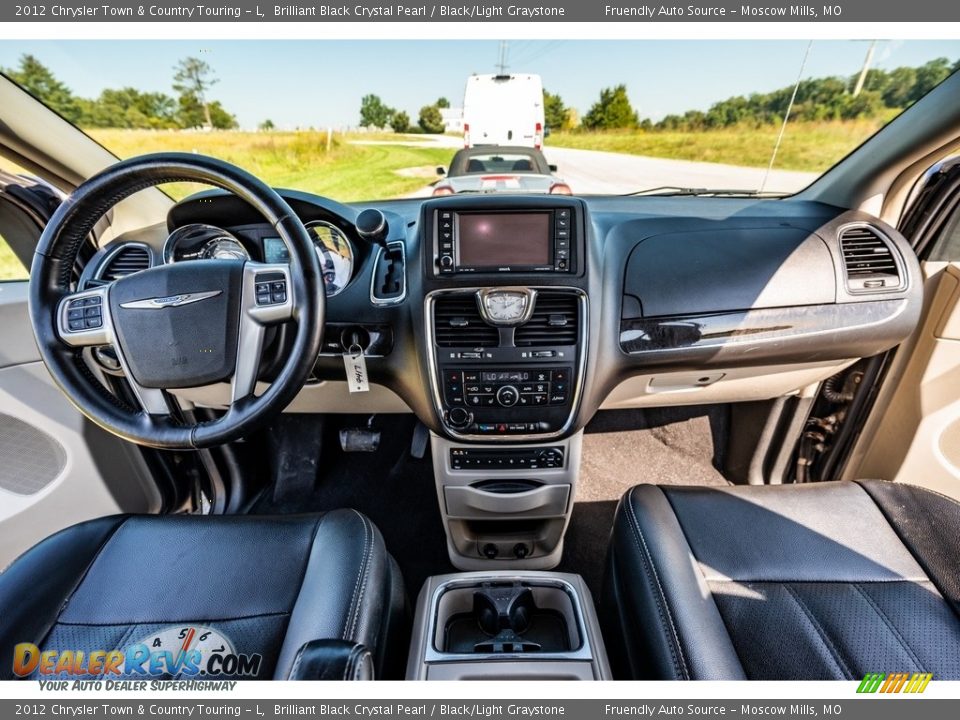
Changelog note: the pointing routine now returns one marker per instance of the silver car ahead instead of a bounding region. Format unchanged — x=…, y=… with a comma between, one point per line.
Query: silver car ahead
x=500, y=169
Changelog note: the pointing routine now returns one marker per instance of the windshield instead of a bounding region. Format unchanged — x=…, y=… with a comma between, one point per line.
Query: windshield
x=370, y=119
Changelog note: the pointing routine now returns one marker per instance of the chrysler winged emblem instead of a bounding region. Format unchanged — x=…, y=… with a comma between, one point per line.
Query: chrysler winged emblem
x=159, y=303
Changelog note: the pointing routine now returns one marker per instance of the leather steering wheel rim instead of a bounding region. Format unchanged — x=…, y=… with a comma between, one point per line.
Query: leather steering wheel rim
x=52, y=273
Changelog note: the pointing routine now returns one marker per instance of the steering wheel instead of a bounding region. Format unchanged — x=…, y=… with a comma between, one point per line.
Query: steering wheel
x=184, y=325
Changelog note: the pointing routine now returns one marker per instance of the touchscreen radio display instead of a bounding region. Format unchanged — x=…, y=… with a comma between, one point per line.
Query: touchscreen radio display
x=488, y=240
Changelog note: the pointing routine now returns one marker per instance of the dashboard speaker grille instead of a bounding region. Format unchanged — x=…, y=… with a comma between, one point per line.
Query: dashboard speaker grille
x=457, y=323
x=30, y=459
x=868, y=260
x=126, y=262
x=555, y=321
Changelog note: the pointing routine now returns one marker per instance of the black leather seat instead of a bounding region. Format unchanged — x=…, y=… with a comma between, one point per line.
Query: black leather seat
x=821, y=581
x=270, y=585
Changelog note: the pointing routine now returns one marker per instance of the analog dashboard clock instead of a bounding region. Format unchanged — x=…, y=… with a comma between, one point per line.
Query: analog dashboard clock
x=506, y=306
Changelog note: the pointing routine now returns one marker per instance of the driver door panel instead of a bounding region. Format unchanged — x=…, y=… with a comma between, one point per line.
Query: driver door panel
x=56, y=468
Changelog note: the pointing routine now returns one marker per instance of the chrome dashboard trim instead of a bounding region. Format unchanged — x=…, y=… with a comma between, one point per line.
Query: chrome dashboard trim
x=316, y=246
x=383, y=302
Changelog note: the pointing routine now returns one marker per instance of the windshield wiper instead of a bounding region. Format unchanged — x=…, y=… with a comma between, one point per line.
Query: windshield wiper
x=674, y=190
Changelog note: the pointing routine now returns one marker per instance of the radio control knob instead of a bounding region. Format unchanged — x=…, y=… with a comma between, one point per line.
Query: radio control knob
x=459, y=418
x=446, y=261
x=508, y=396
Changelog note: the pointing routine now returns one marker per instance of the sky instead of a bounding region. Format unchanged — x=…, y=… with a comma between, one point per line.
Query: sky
x=319, y=83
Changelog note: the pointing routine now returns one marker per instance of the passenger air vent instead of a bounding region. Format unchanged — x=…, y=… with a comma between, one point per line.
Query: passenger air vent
x=868, y=260
x=555, y=321
x=457, y=323
x=125, y=261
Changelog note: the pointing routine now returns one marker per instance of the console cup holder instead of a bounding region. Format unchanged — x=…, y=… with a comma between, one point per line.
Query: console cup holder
x=509, y=617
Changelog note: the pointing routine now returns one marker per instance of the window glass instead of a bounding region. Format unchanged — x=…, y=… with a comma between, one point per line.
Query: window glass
x=947, y=248
x=10, y=266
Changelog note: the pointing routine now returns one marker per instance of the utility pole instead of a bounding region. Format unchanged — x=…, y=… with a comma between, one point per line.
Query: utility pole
x=866, y=67
x=502, y=63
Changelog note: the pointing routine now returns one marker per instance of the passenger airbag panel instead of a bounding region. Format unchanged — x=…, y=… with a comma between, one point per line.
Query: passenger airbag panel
x=724, y=270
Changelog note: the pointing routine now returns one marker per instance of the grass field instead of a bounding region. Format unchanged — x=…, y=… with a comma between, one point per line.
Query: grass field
x=10, y=267
x=295, y=159
x=348, y=171
x=806, y=146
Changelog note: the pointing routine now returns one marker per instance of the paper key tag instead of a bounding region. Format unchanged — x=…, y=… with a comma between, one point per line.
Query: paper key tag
x=356, y=366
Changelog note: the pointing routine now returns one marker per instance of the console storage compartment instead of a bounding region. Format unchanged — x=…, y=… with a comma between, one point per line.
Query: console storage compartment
x=505, y=506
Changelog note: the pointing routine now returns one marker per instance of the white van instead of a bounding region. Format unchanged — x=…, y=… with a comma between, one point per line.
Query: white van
x=503, y=110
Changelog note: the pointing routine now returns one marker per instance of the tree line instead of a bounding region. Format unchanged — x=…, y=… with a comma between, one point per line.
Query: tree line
x=826, y=98
x=374, y=113
x=128, y=107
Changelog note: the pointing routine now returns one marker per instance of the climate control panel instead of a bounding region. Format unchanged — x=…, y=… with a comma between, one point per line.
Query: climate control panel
x=506, y=388
x=506, y=401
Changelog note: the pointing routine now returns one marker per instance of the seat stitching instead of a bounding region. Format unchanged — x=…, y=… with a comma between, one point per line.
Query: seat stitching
x=175, y=620
x=86, y=571
x=952, y=501
x=663, y=609
x=834, y=652
x=296, y=664
x=123, y=638
x=367, y=563
x=890, y=626
x=357, y=595
x=368, y=556
x=807, y=581
x=354, y=664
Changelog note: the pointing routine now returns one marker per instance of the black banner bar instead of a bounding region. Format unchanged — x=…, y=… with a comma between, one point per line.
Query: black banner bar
x=873, y=708
x=521, y=11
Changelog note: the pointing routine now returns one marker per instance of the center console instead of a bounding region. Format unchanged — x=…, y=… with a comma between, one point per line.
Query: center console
x=506, y=322
x=506, y=326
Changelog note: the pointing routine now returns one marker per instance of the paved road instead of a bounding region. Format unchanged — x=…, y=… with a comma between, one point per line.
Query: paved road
x=594, y=172
x=589, y=171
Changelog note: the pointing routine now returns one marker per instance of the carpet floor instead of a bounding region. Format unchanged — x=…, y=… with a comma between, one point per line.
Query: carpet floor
x=620, y=449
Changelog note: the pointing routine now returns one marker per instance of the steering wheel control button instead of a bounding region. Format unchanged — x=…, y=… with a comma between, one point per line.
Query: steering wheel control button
x=271, y=288
x=85, y=313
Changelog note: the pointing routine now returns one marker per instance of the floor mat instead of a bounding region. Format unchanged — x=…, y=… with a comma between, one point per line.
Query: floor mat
x=395, y=490
x=622, y=448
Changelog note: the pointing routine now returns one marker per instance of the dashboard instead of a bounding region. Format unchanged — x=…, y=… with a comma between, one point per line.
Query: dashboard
x=514, y=319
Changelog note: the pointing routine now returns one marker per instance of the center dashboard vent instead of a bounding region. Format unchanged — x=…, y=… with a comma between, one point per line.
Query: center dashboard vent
x=457, y=323
x=555, y=321
x=126, y=261
x=868, y=260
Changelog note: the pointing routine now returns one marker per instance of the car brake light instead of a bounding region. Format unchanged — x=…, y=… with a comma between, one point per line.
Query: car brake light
x=538, y=137
x=560, y=189
x=444, y=190
x=466, y=135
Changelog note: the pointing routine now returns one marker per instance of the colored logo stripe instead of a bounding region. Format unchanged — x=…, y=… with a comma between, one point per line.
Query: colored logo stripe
x=918, y=683
x=894, y=682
